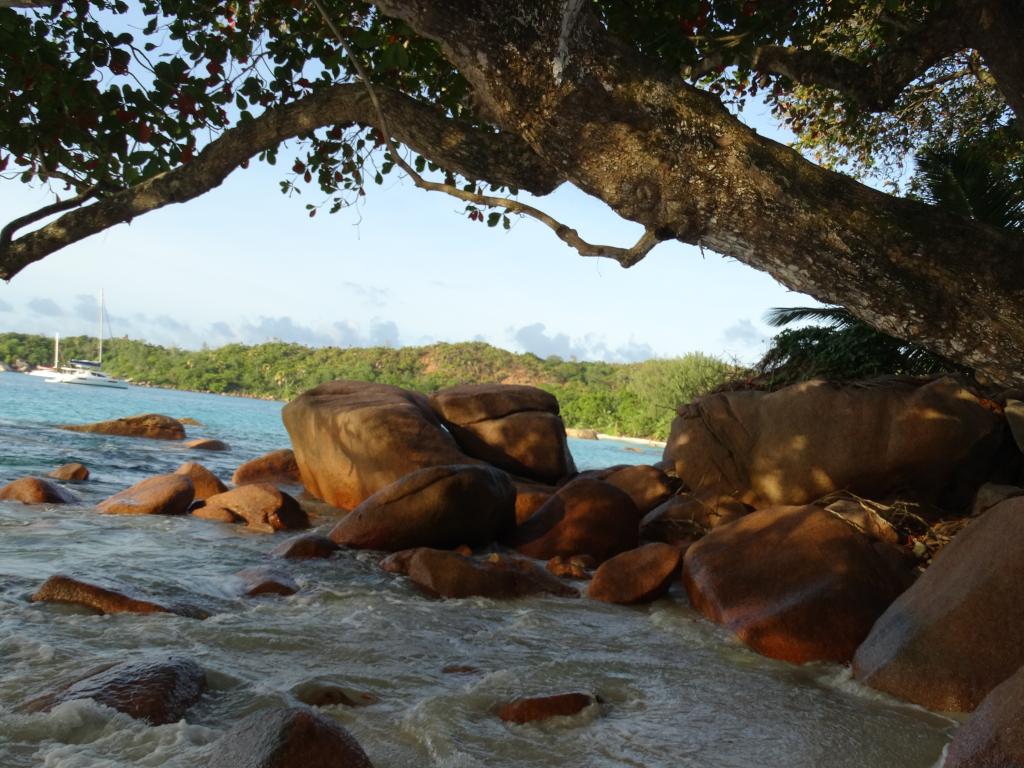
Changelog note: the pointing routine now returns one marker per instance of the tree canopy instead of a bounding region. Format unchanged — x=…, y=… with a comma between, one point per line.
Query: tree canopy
x=127, y=107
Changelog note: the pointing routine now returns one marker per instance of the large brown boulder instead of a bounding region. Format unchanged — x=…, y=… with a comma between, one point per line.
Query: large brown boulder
x=585, y=517
x=64, y=589
x=441, y=507
x=158, y=692
x=514, y=427
x=277, y=467
x=647, y=486
x=959, y=631
x=531, y=709
x=261, y=506
x=36, y=490
x=160, y=495
x=638, y=576
x=442, y=573
x=932, y=443
x=204, y=483
x=993, y=737
x=687, y=517
x=288, y=738
x=353, y=438
x=152, y=425
x=74, y=472
x=794, y=583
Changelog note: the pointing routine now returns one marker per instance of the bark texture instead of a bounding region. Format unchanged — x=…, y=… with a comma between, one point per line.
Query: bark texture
x=670, y=157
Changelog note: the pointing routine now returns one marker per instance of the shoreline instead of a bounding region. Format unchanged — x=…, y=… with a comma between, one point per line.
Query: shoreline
x=637, y=440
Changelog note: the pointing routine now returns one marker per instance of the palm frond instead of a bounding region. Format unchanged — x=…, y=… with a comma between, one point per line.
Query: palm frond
x=835, y=317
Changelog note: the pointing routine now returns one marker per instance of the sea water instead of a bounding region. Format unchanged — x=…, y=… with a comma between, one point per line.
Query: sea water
x=675, y=690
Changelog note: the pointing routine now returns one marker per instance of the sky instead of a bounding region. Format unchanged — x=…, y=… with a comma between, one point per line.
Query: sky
x=244, y=263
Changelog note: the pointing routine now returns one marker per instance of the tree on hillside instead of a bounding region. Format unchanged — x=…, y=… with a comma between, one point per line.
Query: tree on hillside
x=135, y=106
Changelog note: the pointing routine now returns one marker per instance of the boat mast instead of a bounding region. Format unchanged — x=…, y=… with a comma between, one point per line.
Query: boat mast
x=56, y=350
x=100, y=360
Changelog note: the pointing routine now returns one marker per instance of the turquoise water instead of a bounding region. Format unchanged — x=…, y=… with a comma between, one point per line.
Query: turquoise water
x=676, y=690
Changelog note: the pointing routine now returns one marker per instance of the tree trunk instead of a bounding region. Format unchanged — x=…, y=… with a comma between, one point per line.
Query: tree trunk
x=670, y=157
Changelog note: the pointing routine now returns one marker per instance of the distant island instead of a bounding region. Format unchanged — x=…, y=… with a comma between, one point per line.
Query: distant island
x=628, y=399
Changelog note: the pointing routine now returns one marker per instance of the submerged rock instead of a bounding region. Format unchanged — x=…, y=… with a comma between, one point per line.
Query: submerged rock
x=637, y=576
x=320, y=693
x=959, y=631
x=260, y=506
x=308, y=546
x=288, y=738
x=36, y=490
x=514, y=427
x=152, y=425
x=354, y=438
x=160, y=495
x=266, y=580
x=442, y=573
x=585, y=517
x=931, y=443
x=440, y=507
x=528, y=710
x=156, y=691
x=993, y=737
x=64, y=589
x=207, y=444
x=204, y=483
x=276, y=467
x=70, y=473
x=794, y=583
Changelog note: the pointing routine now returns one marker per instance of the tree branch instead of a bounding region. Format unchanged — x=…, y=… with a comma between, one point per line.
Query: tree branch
x=38, y=215
x=500, y=158
x=626, y=257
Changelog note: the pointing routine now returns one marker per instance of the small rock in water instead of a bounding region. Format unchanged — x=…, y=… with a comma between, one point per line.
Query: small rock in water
x=205, y=483
x=308, y=546
x=191, y=422
x=459, y=669
x=576, y=567
x=528, y=710
x=264, y=580
x=319, y=693
x=160, y=495
x=70, y=473
x=207, y=444
x=288, y=738
x=157, y=692
x=64, y=589
x=36, y=490
x=152, y=425
x=637, y=576
x=274, y=467
x=448, y=574
x=262, y=506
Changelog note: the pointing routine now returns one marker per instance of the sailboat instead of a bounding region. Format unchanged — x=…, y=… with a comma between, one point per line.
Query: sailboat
x=49, y=370
x=87, y=372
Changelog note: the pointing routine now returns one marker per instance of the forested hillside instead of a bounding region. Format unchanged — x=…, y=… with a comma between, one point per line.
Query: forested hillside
x=627, y=399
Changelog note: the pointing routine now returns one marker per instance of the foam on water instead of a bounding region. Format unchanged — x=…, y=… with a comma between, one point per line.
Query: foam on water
x=676, y=690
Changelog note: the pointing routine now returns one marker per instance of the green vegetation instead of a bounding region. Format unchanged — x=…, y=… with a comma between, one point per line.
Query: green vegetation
x=636, y=399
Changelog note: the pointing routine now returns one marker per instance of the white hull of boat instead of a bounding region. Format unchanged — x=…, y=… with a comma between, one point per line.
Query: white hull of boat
x=88, y=379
